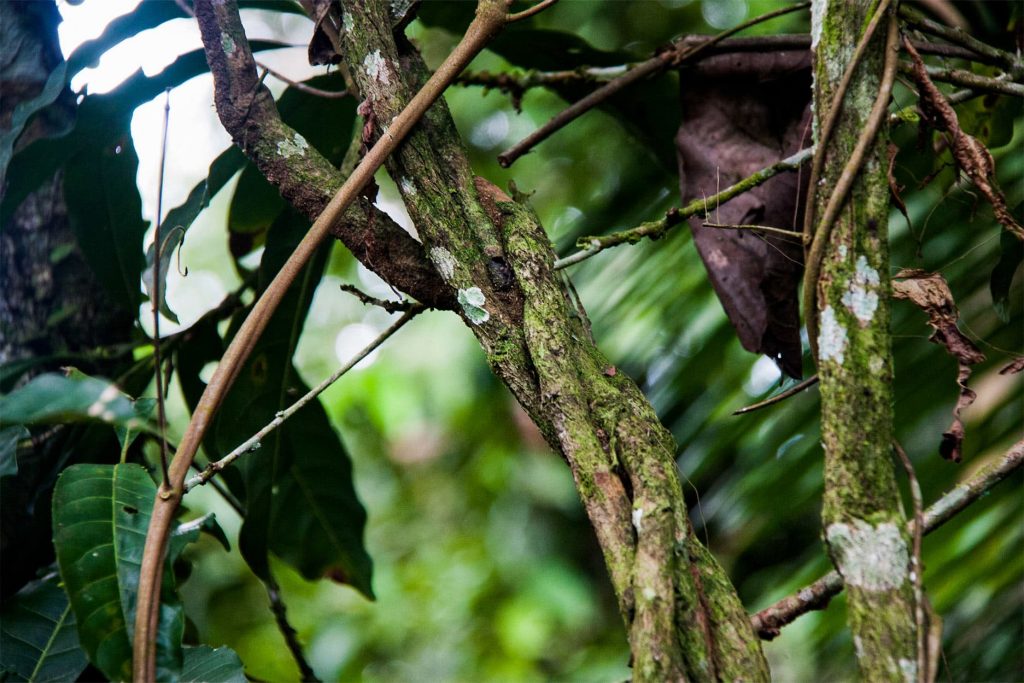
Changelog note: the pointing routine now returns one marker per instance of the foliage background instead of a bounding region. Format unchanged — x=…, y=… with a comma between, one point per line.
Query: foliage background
x=485, y=567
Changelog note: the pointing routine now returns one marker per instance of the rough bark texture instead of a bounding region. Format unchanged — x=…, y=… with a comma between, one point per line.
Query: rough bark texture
x=863, y=520
x=684, y=618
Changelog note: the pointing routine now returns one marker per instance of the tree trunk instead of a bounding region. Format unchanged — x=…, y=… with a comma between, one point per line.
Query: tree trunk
x=862, y=517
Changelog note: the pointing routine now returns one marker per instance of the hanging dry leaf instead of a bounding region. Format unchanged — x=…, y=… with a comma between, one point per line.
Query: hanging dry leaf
x=1015, y=366
x=930, y=293
x=742, y=112
x=972, y=156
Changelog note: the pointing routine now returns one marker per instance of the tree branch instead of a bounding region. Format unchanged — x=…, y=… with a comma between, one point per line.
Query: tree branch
x=815, y=596
x=224, y=41
x=698, y=207
x=1001, y=84
x=960, y=37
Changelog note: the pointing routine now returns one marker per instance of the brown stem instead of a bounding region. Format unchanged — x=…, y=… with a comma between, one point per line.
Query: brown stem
x=777, y=398
x=815, y=596
x=490, y=18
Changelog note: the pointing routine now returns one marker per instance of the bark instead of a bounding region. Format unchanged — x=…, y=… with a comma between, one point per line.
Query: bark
x=684, y=619
x=864, y=525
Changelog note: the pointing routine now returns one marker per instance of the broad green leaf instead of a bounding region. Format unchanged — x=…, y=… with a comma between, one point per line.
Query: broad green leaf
x=204, y=664
x=38, y=640
x=143, y=408
x=180, y=219
x=105, y=210
x=149, y=14
x=102, y=120
x=9, y=438
x=297, y=487
x=56, y=399
x=1010, y=258
x=100, y=517
x=24, y=110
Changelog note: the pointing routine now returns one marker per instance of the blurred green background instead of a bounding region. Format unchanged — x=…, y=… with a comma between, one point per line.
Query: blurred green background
x=485, y=566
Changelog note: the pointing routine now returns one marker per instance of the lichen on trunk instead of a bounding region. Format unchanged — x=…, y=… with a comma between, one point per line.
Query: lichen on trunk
x=862, y=515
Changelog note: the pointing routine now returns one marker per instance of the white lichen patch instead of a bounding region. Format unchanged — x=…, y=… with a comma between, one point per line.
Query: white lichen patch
x=875, y=365
x=638, y=518
x=842, y=251
x=444, y=261
x=227, y=43
x=949, y=502
x=408, y=186
x=346, y=21
x=873, y=558
x=861, y=298
x=297, y=146
x=472, y=301
x=831, y=337
x=908, y=667
x=817, y=21
x=376, y=68
x=805, y=595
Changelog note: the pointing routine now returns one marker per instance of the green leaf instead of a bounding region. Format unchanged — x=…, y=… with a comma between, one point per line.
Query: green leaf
x=9, y=438
x=105, y=210
x=38, y=640
x=149, y=14
x=143, y=408
x=180, y=219
x=100, y=517
x=1010, y=258
x=298, y=492
x=24, y=110
x=102, y=120
x=205, y=664
x=57, y=399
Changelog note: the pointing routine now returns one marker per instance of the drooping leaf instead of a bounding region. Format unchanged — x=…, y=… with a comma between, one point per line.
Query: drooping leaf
x=739, y=116
x=38, y=639
x=57, y=399
x=204, y=664
x=9, y=438
x=179, y=219
x=930, y=293
x=105, y=211
x=1010, y=258
x=149, y=14
x=100, y=517
x=298, y=492
x=143, y=408
x=101, y=120
x=24, y=111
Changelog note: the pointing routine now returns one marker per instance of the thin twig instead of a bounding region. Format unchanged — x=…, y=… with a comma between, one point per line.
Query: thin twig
x=917, y=566
x=778, y=398
x=161, y=415
x=768, y=622
x=254, y=441
x=663, y=61
x=656, y=229
x=389, y=306
x=527, y=13
x=489, y=20
x=958, y=36
x=760, y=228
x=298, y=85
x=291, y=637
x=1001, y=84
x=842, y=186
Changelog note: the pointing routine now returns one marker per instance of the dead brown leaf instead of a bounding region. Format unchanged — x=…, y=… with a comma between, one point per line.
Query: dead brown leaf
x=930, y=293
x=973, y=157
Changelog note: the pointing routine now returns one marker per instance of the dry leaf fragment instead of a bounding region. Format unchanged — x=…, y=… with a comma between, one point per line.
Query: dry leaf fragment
x=930, y=293
x=1015, y=366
